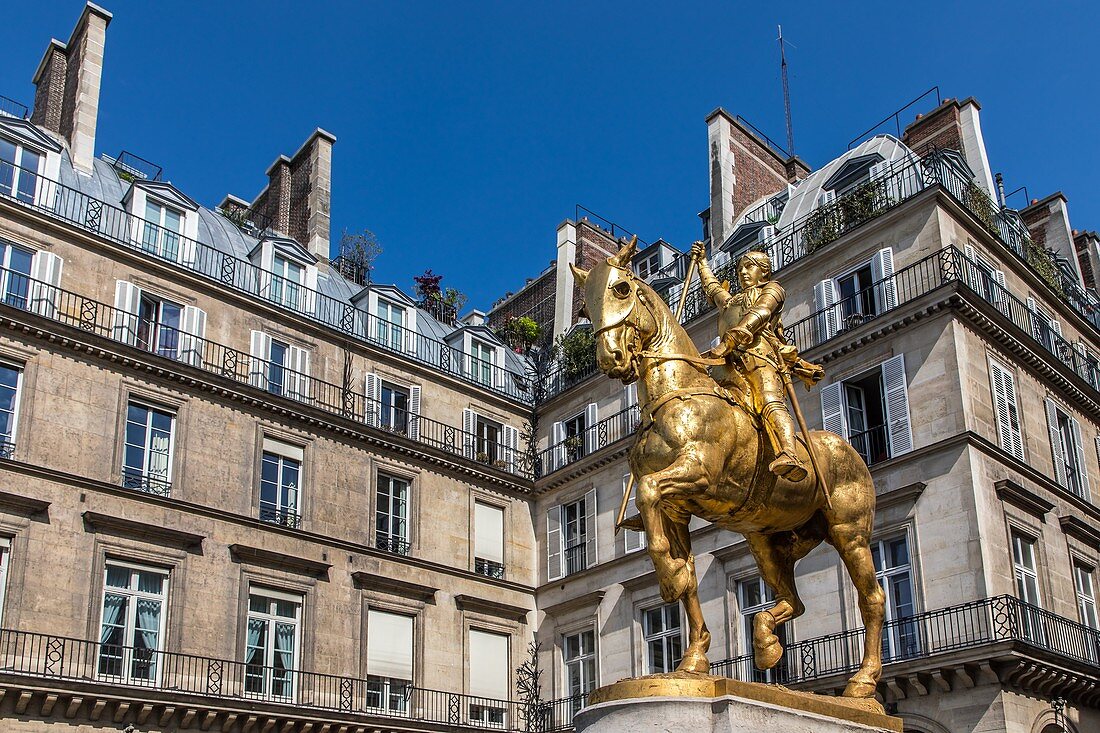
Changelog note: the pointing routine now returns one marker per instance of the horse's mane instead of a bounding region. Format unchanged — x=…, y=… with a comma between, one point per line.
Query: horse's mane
x=669, y=329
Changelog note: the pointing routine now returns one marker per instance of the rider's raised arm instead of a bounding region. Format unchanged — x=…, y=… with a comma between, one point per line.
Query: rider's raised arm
x=711, y=286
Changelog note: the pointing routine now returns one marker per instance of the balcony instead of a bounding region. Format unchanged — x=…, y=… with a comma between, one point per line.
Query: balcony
x=393, y=544
x=223, y=688
x=345, y=401
x=281, y=516
x=606, y=432
x=115, y=224
x=146, y=484
x=488, y=568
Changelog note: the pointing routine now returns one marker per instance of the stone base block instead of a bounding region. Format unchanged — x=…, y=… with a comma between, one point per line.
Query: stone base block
x=689, y=703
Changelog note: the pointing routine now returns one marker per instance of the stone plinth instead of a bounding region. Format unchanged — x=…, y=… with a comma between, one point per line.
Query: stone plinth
x=704, y=704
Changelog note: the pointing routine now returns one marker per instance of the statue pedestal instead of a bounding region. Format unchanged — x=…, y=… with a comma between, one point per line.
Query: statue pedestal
x=691, y=703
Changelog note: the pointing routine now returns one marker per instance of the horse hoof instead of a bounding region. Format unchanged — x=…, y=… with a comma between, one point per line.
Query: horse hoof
x=859, y=688
x=768, y=654
x=694, y=661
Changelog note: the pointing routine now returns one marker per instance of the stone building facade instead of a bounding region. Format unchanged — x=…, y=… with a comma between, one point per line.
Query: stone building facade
x=960, y=343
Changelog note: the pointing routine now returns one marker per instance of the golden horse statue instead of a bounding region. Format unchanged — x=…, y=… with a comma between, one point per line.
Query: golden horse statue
x=696, y=453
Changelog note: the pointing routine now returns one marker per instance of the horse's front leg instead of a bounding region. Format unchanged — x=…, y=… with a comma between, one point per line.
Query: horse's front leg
x=669, y=545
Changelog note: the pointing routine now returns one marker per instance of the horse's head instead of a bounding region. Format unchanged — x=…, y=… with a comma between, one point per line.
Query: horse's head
x=612, y=296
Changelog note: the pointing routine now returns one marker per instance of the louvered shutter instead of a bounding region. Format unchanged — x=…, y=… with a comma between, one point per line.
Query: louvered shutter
x=1078, y=447
x=882, y=271
x=896, y=395
x=554, y=549
x=1036, y=330
x=827, y=317
x=591, y=437
x=832, y=409
x=632, y=540
x=46, y=275
x=309, y=292
x=1000, y=290
x=674, y=298
x=372, y=390
x=557, y=443
x=826, y=198
x=469, y=427
x=192, y=343
x=1005, y=409
x=631, y=395
x=297, y=377
x=590, y=528
x=187, y=250
x=970, y=268
x=765, y=238
x=510, y=438
x=127, y=306
x=414, y=412
x=260, y=350
x=1055, y=442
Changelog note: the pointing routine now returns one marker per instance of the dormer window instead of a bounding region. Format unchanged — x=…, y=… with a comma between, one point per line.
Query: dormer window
x=287, y=281
x=649, y=265
x=481, y=362
x=162, y=229
x=390, y=324
x=19, y=169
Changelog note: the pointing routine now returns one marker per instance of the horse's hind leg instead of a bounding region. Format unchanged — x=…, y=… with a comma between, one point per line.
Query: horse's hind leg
x=850, y=522
x=776, y=555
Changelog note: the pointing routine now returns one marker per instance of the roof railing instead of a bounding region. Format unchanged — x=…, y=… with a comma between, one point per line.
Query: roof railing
x=12, y=108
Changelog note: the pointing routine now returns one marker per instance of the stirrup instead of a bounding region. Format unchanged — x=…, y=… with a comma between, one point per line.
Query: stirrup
x=788, y=467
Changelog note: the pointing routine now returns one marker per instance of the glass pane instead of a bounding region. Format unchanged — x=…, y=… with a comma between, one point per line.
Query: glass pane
x=149, y=582
x=258, y=603
x=118, y=577
x=7, y=167
x=28, y=180
x=286, y=609
x=172, y=220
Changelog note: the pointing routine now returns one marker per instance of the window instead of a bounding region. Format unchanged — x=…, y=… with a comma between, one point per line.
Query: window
x=488, y=540
x=575, y=428
x=286, y=282
x=489, y=665
x=1086, y=596
x=633, y=540
x=892, y=568
x=391, y=531
x=389, y=661
x=280, y=368
x=1006, y=412
x=390, y=324
x=1067, y=450
x=276, y=367
x=132, y=624
x=5, y=561
x=853, y=298
x=487, y=440
x=147, y=452
x=19, y=169
x=280, y=484
x=579, y=656
x=481, y=362
x=161, y=230
x=753, y=596
x=571, y=537
x=871, y=411
x=857, y=297
x=1044, y=328
x=17, y=263
x=10, y=380
x=1027, y=586
x=983, y=277
x=575, y=437
x=649, y=265
x=394, y=410
x=159, y=324
x=271, y=649
x=663, y=638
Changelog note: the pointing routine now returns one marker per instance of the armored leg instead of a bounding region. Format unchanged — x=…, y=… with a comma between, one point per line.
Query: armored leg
x=780, y=428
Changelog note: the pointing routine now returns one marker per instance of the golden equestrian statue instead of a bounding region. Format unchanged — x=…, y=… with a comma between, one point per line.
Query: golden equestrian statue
x=701, y=450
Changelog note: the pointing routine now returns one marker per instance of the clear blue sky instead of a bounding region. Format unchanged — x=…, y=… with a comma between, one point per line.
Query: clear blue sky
x=467, y=132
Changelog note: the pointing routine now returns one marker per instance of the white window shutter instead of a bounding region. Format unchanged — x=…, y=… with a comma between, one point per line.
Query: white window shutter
x=554, y=550
x=1005, y=409
x=899, y=431
x=372, y=390
x=187, y=247
x=998, y=294
x=498, y=374
x=127, y=305
x=1056, y=326
x=309, y=294
x=510, y=438
x=192, y=344
x=299, y=359
x=1082, y=468
x=469, y=427
x=827, y=318
x=832, y=409
x=878, y=170
x=631, y=395
x=1036, y=331
x=557, y=438
x=46, y=273
x=591, y=438
x=826, y=198
x=590, y=527
x=632, y=540
x=414, y=412
x=260, y=350
x=882, y=271
x=1055, y=442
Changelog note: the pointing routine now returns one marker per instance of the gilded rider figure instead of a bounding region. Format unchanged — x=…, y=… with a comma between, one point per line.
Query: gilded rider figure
x=751, y=340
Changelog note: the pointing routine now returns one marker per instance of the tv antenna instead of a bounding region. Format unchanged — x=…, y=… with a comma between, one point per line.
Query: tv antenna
x=786, y=92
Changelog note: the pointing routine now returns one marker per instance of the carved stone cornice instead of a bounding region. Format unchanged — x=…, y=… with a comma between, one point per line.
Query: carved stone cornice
x=1075, y=527
x=405, y=588
x=96, y=522
x=280, y=561
x=1013, y=493
x=492, y=608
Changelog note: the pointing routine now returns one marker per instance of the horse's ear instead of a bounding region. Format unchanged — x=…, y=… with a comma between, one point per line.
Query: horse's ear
x=578, y=274
x=623, y=256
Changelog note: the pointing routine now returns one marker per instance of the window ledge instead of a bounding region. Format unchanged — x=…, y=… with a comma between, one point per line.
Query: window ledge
x=23, y=504
x=494, y=608
x=131, y=528
x=1030, y=502
x=1074, y=527
x=404, y=588
x=279, y=560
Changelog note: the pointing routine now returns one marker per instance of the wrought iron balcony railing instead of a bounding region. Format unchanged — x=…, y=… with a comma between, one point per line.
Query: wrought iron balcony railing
x=7, y=448
x=44, y=658
x=175, y=345
x=146, y=483
x=572, y=449
x=576, y=558
x=121, y=227
x=488, y=568
x=392, y=543
x=281, y=516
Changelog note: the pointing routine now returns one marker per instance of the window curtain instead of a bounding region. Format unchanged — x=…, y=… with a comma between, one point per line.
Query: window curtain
x=113, y=608
x=255, y=654
x=284, y=646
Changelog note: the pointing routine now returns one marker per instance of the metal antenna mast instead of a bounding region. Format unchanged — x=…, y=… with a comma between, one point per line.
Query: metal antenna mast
x=786, y=93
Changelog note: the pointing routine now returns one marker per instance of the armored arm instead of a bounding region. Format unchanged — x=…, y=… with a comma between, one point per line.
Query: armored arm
x=769, y=304
x=711, y=286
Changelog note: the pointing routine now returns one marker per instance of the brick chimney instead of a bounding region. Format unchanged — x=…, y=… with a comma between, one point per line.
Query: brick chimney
x=297, y=197
x=743, y=169
x=1047, y=222
x=1088, y=256
x=66, y=98
x=955, y=125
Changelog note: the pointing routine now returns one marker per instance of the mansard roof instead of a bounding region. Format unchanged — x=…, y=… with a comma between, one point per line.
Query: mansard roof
x=163, y=190
x=28, y=133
